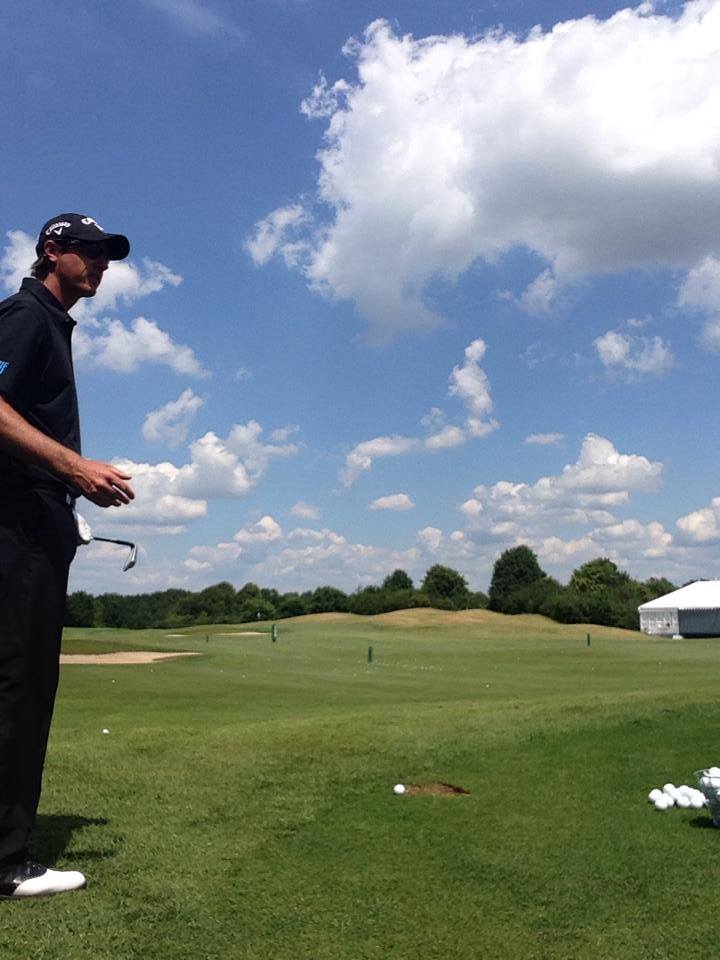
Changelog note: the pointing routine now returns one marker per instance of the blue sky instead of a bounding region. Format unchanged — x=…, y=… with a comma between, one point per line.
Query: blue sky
x=410, y=283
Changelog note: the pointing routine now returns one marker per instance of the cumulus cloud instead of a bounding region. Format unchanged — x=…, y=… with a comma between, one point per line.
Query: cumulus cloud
x=600, y=478
x=634, y=355
x=17, y=257
x=125, y=348
x=218, y=468
x=701, y=526
x=170, y=423
x=395, y=501
x=545, y=439
x=469, y=383
x=594, y=145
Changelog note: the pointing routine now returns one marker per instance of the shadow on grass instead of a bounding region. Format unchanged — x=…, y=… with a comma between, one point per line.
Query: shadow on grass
x=703, y=822
x=53, y=833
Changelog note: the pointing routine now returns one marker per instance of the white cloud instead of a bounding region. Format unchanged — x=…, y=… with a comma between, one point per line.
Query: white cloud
x=469, y=383
x=395, y=501
x=218, y=468
x=700, y=289
x=430, y=538
x=594, y=145
x=123, y=349
x=284, y=433
x=600, y=478
x=16, y=260
x=540, y=296
x=271, y=236
x=634, y=355
x=545, y=439
x=266, y=530
x=170, y=423
x=362, y=456
x=305, y=511
x=710, y=336
x=701, y=526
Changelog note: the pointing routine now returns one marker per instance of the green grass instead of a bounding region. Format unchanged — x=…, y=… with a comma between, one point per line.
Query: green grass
x=242, y=805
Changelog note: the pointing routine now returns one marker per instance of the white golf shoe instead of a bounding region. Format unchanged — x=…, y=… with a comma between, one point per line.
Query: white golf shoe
x=30, y=879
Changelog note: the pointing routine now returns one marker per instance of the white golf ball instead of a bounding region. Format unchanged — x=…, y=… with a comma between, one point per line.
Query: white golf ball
x=714, y=772
x=697, y=802
x=669, y=799
x=669, y=789
x=654, y=794
x=105, y=730
x=683, y=801
x=662, y=802
x=399, y=789
x=685, y=790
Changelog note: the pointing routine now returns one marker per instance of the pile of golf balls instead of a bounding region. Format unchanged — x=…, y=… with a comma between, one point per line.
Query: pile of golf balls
x=672, y=796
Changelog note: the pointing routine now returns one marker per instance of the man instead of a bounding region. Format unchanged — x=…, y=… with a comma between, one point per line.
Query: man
x=42, y=472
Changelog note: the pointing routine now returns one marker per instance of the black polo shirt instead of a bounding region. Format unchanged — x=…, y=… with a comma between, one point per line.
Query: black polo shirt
x=37, y=379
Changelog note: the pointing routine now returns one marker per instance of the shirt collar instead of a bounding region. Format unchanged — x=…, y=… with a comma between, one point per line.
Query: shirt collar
x=38, y=289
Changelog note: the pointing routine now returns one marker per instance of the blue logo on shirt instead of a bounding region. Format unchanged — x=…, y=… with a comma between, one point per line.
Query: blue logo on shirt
x=4, y=364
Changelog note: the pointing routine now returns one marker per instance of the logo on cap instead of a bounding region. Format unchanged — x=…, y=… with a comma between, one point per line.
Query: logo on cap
x=89, y=220
x=57, y=228
x=4, y=364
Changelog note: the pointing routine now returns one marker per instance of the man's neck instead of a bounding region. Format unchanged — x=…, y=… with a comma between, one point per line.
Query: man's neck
x=66, y=300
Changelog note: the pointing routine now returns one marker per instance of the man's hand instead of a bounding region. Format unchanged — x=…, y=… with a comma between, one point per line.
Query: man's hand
x=102, y=483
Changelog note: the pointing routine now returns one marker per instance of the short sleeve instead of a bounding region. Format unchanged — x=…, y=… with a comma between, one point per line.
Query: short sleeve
x=21, y=338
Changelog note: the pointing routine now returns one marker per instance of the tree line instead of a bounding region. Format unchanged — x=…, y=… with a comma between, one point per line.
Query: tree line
x=598, y=592
x=442, y=587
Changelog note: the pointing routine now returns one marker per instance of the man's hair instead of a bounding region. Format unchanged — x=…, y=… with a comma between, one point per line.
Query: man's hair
x=41, y=268
x=43, y=265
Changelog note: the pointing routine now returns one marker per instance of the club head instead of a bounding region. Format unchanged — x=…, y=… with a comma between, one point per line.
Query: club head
x=132, y=559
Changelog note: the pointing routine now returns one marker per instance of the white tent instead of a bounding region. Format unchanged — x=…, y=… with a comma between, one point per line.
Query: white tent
x=691, y=611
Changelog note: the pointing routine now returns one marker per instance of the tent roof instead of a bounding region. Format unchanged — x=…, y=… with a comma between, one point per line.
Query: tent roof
x=701, y=595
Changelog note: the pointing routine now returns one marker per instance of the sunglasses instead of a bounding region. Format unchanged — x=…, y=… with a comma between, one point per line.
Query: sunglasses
x=90, y=249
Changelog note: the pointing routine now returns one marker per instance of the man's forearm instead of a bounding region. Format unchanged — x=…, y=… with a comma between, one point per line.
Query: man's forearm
x=100, y=482
x=30, y=445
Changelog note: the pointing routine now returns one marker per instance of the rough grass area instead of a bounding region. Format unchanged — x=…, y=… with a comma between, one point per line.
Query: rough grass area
x=242, y=804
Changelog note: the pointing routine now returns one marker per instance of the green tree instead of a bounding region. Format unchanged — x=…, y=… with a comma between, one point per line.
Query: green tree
x=256, y=608
x=596, y=574
x=291, y=605
x=398, y=580
x=658, y=587
x=445, y=588
x=515, y=568
x=80, y=610
x=328, y=600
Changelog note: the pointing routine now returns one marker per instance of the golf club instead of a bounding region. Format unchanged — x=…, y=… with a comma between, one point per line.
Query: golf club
x=85, y=535
x=132, y=556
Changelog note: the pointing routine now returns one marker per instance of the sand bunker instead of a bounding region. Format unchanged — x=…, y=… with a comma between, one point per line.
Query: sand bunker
x=121, y=657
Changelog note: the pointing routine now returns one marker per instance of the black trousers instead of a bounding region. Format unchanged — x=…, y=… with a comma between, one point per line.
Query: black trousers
x=37, y=545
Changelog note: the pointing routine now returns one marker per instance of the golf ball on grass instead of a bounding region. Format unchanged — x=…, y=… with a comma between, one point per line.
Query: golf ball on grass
x=105, y=730
x=399, y=789
x=662, y=802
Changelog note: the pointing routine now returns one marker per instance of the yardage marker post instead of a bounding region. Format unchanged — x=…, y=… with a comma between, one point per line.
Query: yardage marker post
x=370, y=654
x=273, y=633
x=588, y=639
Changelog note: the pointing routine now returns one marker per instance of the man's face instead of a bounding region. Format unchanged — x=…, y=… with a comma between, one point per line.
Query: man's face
x=79, y=267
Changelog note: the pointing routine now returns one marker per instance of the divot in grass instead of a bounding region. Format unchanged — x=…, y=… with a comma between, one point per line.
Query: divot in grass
x=437, y=789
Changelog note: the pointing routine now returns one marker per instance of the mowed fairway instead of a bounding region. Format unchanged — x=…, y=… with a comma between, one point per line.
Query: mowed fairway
x=242, y=805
